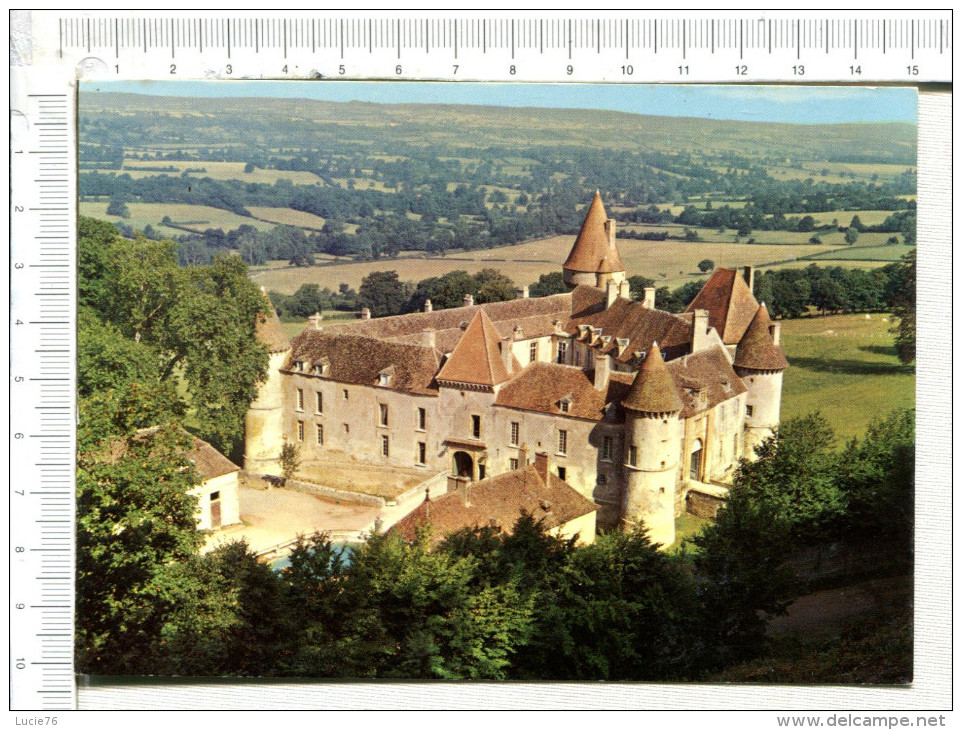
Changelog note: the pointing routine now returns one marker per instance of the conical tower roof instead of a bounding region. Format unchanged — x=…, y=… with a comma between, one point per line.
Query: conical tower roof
x=757, y=350
x=477, y=357
x=268, y=330
x=653, y=389
x=593, y=250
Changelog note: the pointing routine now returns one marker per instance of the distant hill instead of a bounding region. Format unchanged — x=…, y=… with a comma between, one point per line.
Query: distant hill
x=272, y=122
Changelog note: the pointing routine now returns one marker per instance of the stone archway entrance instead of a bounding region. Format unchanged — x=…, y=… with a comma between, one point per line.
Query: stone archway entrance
x=463, y=465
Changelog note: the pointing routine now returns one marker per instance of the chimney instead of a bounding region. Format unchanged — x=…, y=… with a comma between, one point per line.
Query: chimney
x=649, y=301
x=542, y=465
x=315, y=320
x=602, y=371
x=365, y=313
x=428, y=338
x=699, y=330
x=464, y=489
x=524, y=292
x=428, y=307
x=468, y=300
x=749, y=274
x=507, y=355
x=611, y=290
x=523, y=454
x=610, y=231
x=776, y=332
x=624, y=289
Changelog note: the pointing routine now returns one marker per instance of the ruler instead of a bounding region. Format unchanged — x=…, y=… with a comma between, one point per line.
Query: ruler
x=650, y=46
x=51, y=49
x=41, y=498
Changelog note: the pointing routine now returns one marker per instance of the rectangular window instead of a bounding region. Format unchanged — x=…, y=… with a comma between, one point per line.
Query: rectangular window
x=577, y=356
x=602, y=479
x=345, y=394
x=632, y=456
x=476, y=426
x=300, y=430
x=748, y=411
x=562, y=442
x=513, y=464
x=383, y=414
x=562, y=352
x=565, y=406
x=533, y=351
x=300, y=399
x=515, y=433
x=318, y=402
x=347, y=428
x=562, y=473
x=385, y=445
x=422, y=452
x=320, y=434
x=214, y=496
x=422, y=419
x=606, y=448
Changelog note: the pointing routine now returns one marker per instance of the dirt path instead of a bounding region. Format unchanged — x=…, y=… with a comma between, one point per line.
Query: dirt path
x=822, y=611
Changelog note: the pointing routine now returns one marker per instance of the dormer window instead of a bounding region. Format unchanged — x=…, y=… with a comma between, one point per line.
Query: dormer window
x=564, y=405
x=299, y=365
x=322, y=366
x=385, y=377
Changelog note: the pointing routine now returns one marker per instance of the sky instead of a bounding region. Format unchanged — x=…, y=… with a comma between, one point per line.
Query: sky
x=793, y=104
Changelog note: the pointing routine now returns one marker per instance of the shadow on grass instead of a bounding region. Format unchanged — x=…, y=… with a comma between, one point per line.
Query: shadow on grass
x=851, y=367
x=887, y=350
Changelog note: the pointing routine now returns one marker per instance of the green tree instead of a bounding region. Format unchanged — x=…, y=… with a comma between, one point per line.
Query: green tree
x=706, y=265
x=118, y=207
x=106, y=359
x=902, y=301
x=548, y=284
x=290, y=460
x=851, y=235
x=383, y=293
x=638, y=284
x=135, y=514
x=493, y=286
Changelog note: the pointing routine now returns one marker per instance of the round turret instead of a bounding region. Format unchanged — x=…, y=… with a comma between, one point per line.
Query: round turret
x=760, y=362
x=653, y=436
x=594, y=258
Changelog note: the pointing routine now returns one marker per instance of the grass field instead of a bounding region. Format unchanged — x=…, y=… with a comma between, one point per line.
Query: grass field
x=844, y=217
x=288, y=217
x=195, y=217
x=845, y=367
x=670, y=263
x=867, y=253
x=219, y=171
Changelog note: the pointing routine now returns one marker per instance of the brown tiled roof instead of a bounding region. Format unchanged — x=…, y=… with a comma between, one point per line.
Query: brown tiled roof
x=592, y=250
x=730, y=304
x=269, y=332
x=360, y=360
x=498, y=502
x=477, y=357
x=535, y=313
x=707, y=372
x=757, y=350
x=629, y=320
x=541, y=386
x=653, y=389
x=208, y=461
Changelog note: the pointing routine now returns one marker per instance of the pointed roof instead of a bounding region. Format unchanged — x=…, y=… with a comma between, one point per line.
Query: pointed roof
x=730, y=304
x=593, y=251
x=653, y=389
x=757, y=349
x=268, y=330
x=477, y=357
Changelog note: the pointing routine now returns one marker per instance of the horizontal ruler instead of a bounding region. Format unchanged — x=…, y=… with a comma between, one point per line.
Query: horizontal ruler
x=790, y=46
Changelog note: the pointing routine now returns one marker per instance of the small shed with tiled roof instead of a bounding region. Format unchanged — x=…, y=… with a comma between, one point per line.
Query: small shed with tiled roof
x=218, y=498
x=499, y=501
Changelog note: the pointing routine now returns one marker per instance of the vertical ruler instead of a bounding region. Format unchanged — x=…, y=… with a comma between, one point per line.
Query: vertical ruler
x=42, y=382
